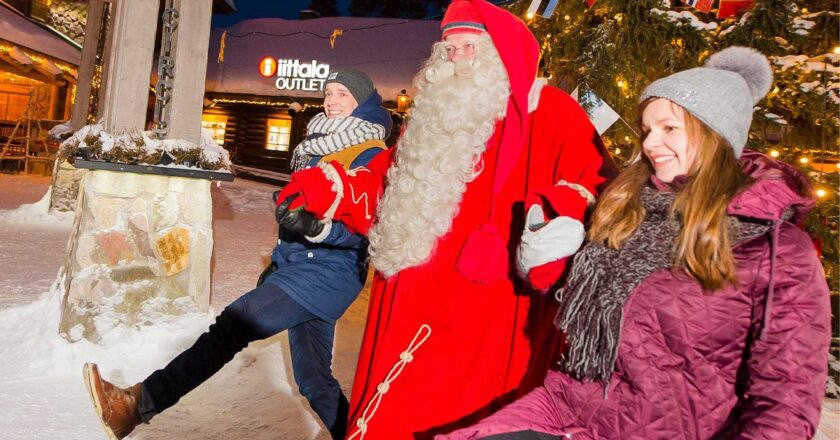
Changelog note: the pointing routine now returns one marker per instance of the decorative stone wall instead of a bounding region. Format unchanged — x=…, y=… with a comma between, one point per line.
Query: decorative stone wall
x=69, y=17
x=140, y=247
x=65, y=186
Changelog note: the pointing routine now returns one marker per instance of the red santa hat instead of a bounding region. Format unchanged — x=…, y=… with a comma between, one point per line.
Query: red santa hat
x=461, y=18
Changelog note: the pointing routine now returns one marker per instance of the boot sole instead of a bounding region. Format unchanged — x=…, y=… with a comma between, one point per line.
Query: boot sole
x=90, y=382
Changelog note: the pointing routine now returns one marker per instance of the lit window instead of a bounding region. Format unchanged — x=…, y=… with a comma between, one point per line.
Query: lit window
x=277, y=134
x=12, y=106
x=216, y=124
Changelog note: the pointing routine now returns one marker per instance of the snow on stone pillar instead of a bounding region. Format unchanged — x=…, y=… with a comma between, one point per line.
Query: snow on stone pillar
x=140, y=247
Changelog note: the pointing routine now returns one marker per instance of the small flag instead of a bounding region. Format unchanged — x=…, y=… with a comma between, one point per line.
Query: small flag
x=700, y=5
x=552, y=5
x=600, y=113
x=532, y=9
x=589, y=3
x=731, y=8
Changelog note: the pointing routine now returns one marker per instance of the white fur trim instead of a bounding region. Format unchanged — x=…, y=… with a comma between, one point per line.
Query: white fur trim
x=590, y=199
x=534, y=94
x=337, y=186
x=559, y=238
x=324, y=232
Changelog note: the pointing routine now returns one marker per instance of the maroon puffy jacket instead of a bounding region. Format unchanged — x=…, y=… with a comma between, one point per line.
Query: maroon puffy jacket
x=693, y=365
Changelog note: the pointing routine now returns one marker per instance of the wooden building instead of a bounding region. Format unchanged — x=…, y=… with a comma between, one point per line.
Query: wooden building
x=266, y=83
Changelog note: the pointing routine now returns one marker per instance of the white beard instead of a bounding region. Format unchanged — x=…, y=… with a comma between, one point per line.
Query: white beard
x=454, y=115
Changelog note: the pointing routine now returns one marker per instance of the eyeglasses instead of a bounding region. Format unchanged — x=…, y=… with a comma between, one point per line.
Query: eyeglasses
x=467, y=49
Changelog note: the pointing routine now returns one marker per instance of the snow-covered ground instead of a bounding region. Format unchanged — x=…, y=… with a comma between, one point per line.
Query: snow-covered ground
x=42, y=395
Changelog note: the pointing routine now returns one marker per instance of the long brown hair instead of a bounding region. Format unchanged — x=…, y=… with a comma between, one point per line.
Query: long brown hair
x=702, y=246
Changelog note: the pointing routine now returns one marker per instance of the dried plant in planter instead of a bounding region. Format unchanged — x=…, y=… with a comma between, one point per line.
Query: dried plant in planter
x=151, y=157
x=125, y=149
x=134, y=147
x=211, y=163
x=95, y=147
x=186, y=156
x=68, y=149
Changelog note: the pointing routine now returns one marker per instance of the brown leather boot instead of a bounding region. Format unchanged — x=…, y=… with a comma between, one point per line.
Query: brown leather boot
x=116, y=407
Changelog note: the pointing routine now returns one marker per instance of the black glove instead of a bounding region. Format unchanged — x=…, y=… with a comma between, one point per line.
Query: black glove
x=266, y=272
x=302, y=222
x=282, y=209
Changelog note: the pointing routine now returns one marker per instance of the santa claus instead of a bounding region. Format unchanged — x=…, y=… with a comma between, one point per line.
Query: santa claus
x=492, y=176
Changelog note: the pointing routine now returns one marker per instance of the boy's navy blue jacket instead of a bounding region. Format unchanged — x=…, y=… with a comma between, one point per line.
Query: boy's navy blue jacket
x=326, y=277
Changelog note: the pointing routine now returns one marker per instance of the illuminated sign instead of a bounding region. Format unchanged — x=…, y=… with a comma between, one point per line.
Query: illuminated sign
x=268, y=67
x=294, y=74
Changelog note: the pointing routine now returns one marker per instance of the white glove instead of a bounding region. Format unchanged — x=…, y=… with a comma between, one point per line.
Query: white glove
x=544, y=242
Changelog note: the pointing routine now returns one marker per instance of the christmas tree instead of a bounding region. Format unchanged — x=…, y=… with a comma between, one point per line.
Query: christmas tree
x=616, y=47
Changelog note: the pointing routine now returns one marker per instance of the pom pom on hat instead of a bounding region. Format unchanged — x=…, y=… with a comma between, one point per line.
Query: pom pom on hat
x=750, y=64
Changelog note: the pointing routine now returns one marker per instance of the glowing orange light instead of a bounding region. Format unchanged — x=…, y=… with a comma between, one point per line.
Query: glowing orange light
x=268, y=67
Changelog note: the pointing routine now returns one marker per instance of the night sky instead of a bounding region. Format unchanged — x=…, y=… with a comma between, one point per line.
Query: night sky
x=288, y=9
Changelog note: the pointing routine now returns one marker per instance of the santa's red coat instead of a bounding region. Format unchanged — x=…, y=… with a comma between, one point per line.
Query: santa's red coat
x=485, y=344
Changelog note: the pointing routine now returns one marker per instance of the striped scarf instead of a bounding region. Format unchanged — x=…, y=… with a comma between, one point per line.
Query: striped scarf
x=326, y=136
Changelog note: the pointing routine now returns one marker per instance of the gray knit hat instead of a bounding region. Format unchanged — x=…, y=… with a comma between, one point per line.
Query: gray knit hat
x=722, y=93
x=356, y=81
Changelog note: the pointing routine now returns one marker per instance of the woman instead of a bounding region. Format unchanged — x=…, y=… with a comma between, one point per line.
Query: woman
x=318, y=270
x=698, y=309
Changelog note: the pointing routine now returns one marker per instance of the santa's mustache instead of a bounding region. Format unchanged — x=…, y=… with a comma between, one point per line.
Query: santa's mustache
x=445, y=69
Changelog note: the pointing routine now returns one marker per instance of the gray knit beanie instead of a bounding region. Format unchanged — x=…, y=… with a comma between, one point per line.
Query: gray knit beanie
x=356, y=81
x=722, y=93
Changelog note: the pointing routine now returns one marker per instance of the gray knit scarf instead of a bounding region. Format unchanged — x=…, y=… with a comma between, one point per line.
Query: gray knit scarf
x=592, y=300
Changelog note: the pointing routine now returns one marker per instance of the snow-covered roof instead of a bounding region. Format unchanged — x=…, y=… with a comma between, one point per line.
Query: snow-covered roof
x=19, y=30
x=390, y=50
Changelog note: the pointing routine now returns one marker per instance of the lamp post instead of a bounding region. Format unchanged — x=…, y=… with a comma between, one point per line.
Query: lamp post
x=403, y=102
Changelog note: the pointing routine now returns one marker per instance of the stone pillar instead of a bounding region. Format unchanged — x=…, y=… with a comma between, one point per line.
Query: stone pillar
x=140, y=247
x=190, y=48
x=65, y=186
x=141, y=244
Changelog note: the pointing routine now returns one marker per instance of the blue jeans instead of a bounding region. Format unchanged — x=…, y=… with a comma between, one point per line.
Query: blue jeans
x=258, y=314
